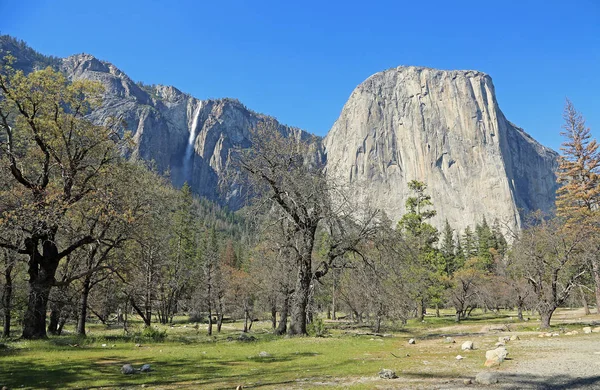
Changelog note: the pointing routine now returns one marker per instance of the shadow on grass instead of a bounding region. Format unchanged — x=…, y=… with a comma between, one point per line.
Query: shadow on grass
x=104, y=371
x=554, y=382
x=526, y=381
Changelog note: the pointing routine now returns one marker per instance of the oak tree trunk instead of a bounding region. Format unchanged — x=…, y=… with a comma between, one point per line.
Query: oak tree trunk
x=85, y=292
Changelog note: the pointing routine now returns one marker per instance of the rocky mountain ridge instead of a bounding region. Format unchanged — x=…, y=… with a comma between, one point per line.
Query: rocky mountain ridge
x=407, y=123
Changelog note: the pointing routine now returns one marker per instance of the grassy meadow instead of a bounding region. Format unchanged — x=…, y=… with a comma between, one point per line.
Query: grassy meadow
x=348, y=357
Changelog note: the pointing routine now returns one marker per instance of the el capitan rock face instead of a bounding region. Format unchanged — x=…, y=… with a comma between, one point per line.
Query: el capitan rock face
x=443, y=128
x=408, y=123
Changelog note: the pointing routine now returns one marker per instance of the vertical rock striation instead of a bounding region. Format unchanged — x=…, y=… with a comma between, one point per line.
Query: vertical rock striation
x=443, y=128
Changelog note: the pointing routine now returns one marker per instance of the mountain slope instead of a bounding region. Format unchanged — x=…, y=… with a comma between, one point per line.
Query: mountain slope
x=408, y=123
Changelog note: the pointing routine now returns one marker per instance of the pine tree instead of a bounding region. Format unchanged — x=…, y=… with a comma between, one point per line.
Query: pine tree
x=579, y=169
x=485, y=241
x=447, y=248
x=459, y=257
x=578, y=198
x=419, y=209
x=469, y=247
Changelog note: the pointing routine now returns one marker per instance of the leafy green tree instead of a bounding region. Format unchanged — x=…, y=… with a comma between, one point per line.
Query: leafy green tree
x=58, y=161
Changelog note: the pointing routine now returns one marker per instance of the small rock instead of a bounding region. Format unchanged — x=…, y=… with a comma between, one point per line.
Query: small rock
x=467, y=381
x=412, y=341
x=458, y=357
x=387, y=374
x=240, y=387
x=495, y=356
x=587, y=330
x=467, y=345
x=264, y=354
x=486, y=378
x=246, y=337
x=504, y=339
x=449, y=340
x=127, y=369
x=146, y=368
x=514, y=337
x=138, y=345
x=596, y=329
x=103, y=345
x=555, y=334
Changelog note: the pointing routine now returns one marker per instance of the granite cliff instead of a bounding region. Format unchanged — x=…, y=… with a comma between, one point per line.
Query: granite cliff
x=191, y=139
x=443, y=128
x=408, y=123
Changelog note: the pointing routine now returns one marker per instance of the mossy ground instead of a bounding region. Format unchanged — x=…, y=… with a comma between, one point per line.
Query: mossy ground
x=188, y=358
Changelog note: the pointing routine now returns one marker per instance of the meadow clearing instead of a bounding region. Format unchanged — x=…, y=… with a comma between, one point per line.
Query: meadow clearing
x=348, y=356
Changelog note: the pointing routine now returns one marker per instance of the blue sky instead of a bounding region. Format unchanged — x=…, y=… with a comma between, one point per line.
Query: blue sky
x=300, y=60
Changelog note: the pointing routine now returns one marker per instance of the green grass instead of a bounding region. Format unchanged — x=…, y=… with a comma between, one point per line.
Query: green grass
x=190, y=359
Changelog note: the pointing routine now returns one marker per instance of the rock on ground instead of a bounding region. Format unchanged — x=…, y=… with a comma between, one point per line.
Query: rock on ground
x=467, y=345
x=127, y=369
x=387, y=374
x=495, y=356
x=146, y=368
x=486, y=378
x=246, y=337
x=412, y=341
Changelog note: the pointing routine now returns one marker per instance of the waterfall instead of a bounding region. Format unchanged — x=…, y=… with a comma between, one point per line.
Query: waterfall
x=189, y=150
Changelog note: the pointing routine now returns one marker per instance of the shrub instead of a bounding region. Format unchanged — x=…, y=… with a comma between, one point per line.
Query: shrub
x=317, y=328
x=153, y=333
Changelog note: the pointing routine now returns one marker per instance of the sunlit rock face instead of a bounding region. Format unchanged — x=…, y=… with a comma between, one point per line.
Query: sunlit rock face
x=443, y=128
x=190, y=139
x=408, y=123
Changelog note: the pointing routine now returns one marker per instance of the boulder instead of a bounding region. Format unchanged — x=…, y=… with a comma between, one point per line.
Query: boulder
x=127, y=369
x=412, y=341
x=486, y=378
x=387, y=374
x=495, y=357
x=467, y=345
x=146, y=368
x=449, y=340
